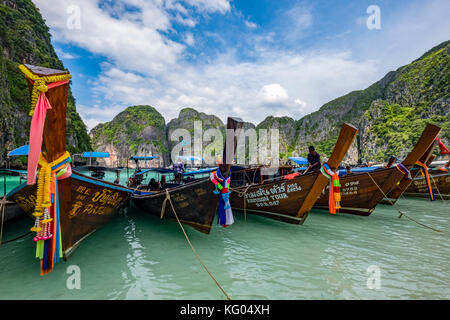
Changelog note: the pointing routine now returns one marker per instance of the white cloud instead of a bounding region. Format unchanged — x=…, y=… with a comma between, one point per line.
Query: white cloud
x=189, y=39
x=221, y=6
x=276, y=84
x=250, y=24
x=274, y=93
x=65, y=55
x=145, y=67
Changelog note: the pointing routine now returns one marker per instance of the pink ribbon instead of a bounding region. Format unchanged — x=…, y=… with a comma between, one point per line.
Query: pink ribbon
x=37, y=130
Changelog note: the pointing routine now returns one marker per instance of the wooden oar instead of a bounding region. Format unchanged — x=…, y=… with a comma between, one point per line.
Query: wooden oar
x=345, y=140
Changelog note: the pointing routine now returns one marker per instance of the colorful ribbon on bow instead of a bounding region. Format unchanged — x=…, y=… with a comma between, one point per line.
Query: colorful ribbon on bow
x=225, y=214
x=405, y=171
x=334, y=201
x=47, y=222
x=424, y=168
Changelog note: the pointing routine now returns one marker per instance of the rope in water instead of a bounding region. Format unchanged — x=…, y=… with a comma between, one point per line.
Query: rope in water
x=2, y=208
x=400, y=212
x=168, y=198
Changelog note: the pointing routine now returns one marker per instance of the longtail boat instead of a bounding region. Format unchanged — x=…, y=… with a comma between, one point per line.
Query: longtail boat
x=392, y=196
x=362, y=191
x=67, y=206
x=195, y=202
x=289, y=197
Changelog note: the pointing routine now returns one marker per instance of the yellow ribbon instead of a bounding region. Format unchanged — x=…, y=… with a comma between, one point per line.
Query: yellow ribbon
x=43, y=195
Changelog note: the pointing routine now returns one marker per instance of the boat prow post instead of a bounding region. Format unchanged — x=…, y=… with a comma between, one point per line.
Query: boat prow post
x=346, y=137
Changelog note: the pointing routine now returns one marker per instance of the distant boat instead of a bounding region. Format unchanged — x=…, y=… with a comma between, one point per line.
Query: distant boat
x=360, y=194
x=439, y=188
x=80, y=204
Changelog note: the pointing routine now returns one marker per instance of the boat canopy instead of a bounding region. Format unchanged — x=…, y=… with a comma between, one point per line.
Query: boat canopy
x=95, y=155
x=136, y=158
x=299, y=160
x=21, y=151
x=159, y=170
x=190, y=158
x=13, y=171
x=207, y=170
x=343, y=172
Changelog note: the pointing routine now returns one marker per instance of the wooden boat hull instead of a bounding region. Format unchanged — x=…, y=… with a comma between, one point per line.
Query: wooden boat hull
x=88, y=204
x=195, y=204
x=280, y=200
x=359, y=194
x=440, y=181
x=12, y=211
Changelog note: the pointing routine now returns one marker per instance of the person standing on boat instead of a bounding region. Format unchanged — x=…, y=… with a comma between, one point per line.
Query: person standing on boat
x=313, y=160
x=178, y=167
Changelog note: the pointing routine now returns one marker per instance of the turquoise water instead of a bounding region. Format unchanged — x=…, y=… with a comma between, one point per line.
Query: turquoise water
x=137, y=256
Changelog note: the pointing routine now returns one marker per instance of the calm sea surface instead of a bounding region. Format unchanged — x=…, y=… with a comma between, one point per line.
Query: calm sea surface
x=137, y=256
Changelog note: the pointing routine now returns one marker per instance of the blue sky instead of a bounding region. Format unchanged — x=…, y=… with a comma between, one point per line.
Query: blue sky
x=242, y=58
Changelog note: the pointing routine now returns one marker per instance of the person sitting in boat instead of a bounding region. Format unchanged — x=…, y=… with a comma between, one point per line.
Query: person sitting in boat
x=153, y=185
x=313, y=160
x=117, y=177
x=348, y=171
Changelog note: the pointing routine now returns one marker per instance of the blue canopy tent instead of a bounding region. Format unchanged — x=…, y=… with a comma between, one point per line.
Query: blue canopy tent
x=95, y=155
x=202, y=171
x=91, y=155
x=21, y=151
x=343, y=172
x=137, y=158
x=299, y=160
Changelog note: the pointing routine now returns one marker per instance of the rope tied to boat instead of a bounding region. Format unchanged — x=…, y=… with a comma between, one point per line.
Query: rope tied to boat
x=334, y=201
x=168, y=198
x=242, y=194
x=398, y=210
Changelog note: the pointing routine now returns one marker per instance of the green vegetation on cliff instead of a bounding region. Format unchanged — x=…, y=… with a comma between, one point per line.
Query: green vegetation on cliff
x=138, y=130
x=391, y=113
